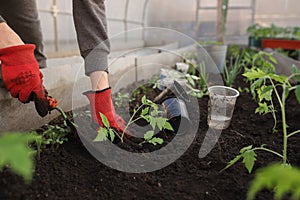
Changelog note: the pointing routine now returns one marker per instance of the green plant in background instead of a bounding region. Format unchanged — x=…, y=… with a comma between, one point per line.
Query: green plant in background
x=230, y=72
x=154, y=81
x=121, y=99
x=192, y=80
x=281, y=179
x=234, y=51
x=296, y=33
x=262, y=60
x=256, y=31
x=16, y=154
x=190, y=58
x=265, y=85
x=197, y=82
x=273, y=31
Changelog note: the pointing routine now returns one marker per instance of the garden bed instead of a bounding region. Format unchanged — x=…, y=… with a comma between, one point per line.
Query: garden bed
x=70, y=172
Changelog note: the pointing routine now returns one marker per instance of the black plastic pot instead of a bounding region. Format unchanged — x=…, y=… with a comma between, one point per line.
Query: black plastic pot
x=177, y=115
x=254, y=42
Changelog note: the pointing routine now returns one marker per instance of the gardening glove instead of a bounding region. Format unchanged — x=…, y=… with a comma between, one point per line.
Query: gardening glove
x=101, y=102
x=22, y=77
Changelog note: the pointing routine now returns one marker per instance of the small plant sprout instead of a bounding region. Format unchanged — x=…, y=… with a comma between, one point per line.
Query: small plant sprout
x=40, y=143
x=149, y=111
x=54, y=136
x=264, y=85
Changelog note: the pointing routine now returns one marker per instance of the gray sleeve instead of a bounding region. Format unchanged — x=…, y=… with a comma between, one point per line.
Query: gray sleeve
x=91, y=28
x=23, y=18
x=1, y=19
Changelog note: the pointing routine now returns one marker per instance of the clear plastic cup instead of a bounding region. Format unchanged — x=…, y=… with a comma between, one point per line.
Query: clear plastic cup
x=221, y=106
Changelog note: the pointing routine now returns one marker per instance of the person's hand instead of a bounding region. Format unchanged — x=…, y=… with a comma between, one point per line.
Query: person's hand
x=22, y=77
x=101, y=102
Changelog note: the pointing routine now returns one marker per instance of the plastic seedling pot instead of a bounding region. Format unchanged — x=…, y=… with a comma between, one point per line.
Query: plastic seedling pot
x=221, y=106
x=218, y=55
x=177, y=115
x=254, y=42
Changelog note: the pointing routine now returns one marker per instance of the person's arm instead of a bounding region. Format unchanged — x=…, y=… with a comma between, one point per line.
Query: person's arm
x=20, y=70
x=91, y=29
x=90, y=24
x=8, y=37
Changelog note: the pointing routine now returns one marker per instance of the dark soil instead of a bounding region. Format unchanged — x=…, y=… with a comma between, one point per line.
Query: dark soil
x=70, y=172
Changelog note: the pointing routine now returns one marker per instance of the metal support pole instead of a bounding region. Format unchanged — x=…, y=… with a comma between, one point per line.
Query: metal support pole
x=253, y=11
x=125, y=19
x=144, y=18
x=54, y=12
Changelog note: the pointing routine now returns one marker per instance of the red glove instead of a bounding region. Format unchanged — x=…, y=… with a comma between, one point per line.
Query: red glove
x=100, y=102
x=21, y=75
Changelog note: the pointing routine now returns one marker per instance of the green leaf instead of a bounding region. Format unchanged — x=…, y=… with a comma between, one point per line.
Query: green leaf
x=262, y=108
x=245, y=149
x=249, y=157
x=160, y=122
x=156, y=141
x=168, y=126
x=232, y=162
x=238, y=157
x=152, y=122
x=104, y=120
x=147, y=118
x=111, y=134
x=278, y=78
x=148, y=135
x=154, y=113
x=256, y=84
x=15, y=153
x=272, y=59
x=102, y=135
x=265, y=92
x=254, y=74
x=144, y=100
x=281, y=179
x=191, y=81
x=145, y=111
x=297, y=93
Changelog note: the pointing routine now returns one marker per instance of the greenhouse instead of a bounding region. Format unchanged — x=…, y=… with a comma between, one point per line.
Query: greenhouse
x=149, y=99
